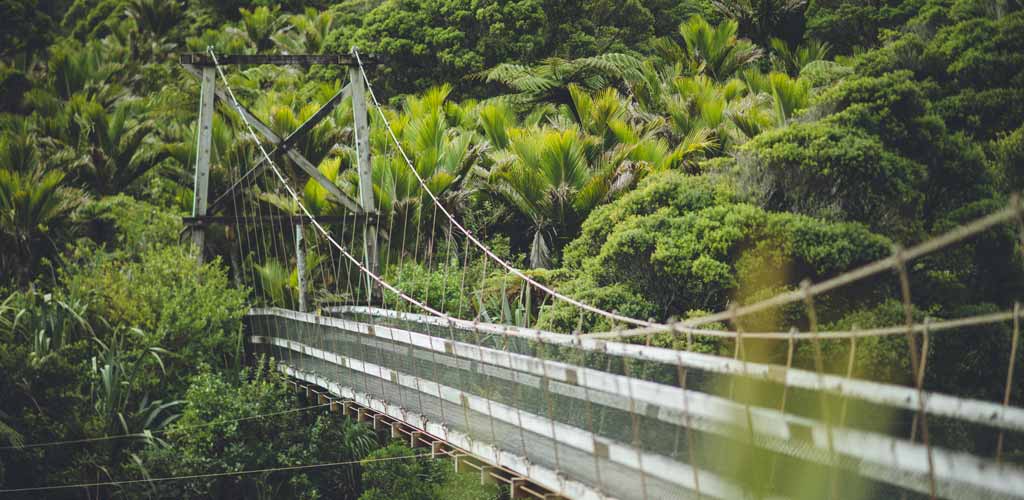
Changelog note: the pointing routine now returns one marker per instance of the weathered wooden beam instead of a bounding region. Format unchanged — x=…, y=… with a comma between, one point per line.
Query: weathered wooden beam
x=378, y=422
x=300, y=264
x=517, y=488
x=333, y=192
x=257, y=124
x=306, y=126
x=415, y=438
x=204, y=134
x=364, y=168
x=203, y=59
x=487, y=475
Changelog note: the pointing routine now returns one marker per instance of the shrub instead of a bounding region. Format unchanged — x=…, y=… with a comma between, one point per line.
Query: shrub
x=418, y=478
x=836, y=173
x=209, y=437
x=129, y=225
x=186, y=308
x=696, y=249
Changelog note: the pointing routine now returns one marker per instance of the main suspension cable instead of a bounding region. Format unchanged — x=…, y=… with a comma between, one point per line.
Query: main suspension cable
x=510, y=268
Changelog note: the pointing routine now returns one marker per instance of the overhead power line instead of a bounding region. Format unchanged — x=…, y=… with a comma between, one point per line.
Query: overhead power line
x=162, y=431
x=211, y=474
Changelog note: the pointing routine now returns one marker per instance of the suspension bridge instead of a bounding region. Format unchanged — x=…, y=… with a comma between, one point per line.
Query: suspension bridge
x=589, y=415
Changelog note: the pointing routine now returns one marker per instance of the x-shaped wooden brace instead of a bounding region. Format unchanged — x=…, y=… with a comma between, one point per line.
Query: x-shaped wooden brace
x=284, y=145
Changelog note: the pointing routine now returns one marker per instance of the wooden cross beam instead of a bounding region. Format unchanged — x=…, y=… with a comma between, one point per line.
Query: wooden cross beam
x=334, y=193
x=203, y=59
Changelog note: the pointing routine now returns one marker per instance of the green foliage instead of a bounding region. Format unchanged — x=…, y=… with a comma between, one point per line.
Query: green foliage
x=895, y=110
x=716, y=48
x=209, y=437
x=395, y=473
x=36, y=206
x=985, y=269
x=433, y=287
x=121, y=150
x=824, y=73
x=14, y=84
x=89, y=69
x=91, y=20
x=552, y=182
x=762, y=20
x=676, y=229
x=259, y=24
x=793, y=59
x=886, y=359
x=28, y=28
x=849, y=25
x=45, y=397
x=129, y=225
x=430, y=42
x=836, y=173
x=187, y=309
x=155, y=18
x=980, y=52
x=550, y=80
x=1008, y=154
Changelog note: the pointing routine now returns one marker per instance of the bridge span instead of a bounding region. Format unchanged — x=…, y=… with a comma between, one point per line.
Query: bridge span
x=607, y=420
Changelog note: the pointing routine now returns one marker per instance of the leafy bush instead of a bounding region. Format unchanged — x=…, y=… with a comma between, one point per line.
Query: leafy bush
x=1009, y=159
x=824, y=73
x=433, y=287
x=186, y=308
x=209, y=437
x=420, y=478
x=128, y=225
x=836, y=173
x=850, y=24
x=647, y=244
x=13, y=85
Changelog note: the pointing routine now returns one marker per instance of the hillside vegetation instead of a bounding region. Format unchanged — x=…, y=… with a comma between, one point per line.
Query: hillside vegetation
x=658, y=158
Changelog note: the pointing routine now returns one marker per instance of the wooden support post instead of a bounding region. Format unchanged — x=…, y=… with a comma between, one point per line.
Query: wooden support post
x=485, y=475
x=361, y=415
x=300, y=263
x=460, y=462
x=435, y=448
x=396, y=430
x=414, y=439
x=377, y=424
x=346, y=408
x=516, y=488
x=203, y=145
x=362, y=139
x=335, y=406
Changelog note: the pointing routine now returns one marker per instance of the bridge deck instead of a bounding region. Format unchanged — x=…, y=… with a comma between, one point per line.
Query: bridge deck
x=575, y=420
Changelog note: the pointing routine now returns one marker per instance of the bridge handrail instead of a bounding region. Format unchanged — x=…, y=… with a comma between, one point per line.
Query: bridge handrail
x=971, y=410
x=879, y=449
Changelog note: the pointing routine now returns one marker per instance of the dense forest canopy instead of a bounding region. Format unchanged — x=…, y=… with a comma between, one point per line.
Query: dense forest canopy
x=659, y=158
